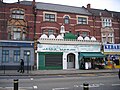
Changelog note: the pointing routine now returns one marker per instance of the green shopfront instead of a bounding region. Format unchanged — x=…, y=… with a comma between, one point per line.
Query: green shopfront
x=66, y=54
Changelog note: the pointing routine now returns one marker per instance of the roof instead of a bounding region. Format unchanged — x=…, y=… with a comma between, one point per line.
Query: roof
x=26, y=2
x=97, y=12
x=69, y=9
x=57, y=7
x=62, y=8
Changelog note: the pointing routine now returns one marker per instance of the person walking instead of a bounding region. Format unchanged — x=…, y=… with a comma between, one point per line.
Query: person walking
x=21, y=68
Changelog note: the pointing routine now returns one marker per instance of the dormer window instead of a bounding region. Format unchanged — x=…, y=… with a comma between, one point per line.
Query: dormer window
x=17, y=14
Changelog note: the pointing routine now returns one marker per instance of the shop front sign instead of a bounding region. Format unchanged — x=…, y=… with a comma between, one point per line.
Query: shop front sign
x=66, y=48
x=112, y=48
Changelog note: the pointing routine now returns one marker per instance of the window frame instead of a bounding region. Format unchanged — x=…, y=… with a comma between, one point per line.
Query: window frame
x=17, y=14
x=83, y=21
x=26, y=57
x=106, y=22
x=5, y=55
x=50, y=32
x=110, y=37
x=66, y=20
x=16, y=55
x=49, y=18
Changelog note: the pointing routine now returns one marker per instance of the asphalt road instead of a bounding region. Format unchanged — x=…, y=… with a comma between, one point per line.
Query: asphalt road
x=103, y=81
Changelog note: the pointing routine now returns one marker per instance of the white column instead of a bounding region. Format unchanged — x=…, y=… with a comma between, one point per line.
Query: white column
x=64, y=61
x=37, y=61
x=76, y=61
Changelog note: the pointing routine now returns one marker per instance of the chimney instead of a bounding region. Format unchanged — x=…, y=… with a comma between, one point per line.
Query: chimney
x=18, y=1
x=88, y=6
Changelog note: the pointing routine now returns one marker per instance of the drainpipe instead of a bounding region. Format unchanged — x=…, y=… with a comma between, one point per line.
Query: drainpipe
x=35, y=38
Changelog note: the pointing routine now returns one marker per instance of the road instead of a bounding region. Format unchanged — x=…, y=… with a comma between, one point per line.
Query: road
x=103, y=81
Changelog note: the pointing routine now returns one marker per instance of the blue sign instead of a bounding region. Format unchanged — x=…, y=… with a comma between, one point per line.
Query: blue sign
x=112, y=47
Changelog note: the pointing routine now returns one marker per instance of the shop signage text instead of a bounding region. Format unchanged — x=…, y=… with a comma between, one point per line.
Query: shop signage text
x=67, y=48
x=112, y=48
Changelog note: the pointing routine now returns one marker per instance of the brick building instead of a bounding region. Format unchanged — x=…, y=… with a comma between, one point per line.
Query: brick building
x=28, y=20
x=25, y=19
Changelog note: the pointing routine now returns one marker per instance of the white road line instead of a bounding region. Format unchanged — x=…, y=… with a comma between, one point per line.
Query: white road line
x=76, y=85
x=19, y=87
x=115, y=84
x=35, y=87
x=60, y=88
x=31, y=78
x=93, y=85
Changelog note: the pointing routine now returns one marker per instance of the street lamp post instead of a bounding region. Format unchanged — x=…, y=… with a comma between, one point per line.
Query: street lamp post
x=28, y=54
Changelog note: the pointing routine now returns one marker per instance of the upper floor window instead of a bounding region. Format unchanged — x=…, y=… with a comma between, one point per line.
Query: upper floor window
x=106, y=22
x=17, y=34
x=66, y=20
x=50, y=32
x=78, y=33
x=50, y=17
x=84, y=34
x=82, y=20
x=107, y=37
x=17, y=14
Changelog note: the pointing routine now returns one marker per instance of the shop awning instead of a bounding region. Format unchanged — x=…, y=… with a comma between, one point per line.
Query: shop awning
x=92, y=54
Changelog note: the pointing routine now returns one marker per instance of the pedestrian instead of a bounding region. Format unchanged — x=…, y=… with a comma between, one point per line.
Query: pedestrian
x=119, y=74
x=21, y=67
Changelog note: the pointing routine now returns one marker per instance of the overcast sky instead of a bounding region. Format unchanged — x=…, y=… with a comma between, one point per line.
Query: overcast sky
x=112, y=5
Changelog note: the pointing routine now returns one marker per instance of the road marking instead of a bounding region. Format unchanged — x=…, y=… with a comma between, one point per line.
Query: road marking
x=115, y=84
x=59, y=88
x=31, y=78
x=35, y=87
x=13, y=87
x=93, y=85
x=76, y=86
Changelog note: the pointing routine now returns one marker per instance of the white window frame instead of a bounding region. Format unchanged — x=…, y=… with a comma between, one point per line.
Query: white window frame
x=17, y=13
x=77, y=16
x=105, y=37
x=49, y=13
x=106, y=22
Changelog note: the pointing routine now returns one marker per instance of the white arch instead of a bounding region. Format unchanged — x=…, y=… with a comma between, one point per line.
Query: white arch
x=51, y=36
x=93, y=38
x=80, y=38
x=59, y=37
x=43, y=36
x=86, y=38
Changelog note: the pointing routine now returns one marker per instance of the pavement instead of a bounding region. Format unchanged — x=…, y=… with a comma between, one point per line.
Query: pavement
x=55, y=72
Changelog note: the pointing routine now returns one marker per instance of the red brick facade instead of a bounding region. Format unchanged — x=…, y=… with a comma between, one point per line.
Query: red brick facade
x=30, y=29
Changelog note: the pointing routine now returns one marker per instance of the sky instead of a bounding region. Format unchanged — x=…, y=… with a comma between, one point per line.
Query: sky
x=111, y=5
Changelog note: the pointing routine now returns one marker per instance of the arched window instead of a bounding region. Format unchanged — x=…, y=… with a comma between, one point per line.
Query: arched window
x=66, y=20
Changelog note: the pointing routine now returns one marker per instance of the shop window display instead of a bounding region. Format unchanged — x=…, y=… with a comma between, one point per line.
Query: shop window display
x=92, y=63
x=112, y=60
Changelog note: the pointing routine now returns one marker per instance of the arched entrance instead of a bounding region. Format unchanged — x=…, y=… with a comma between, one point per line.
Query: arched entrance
x=70, y=61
